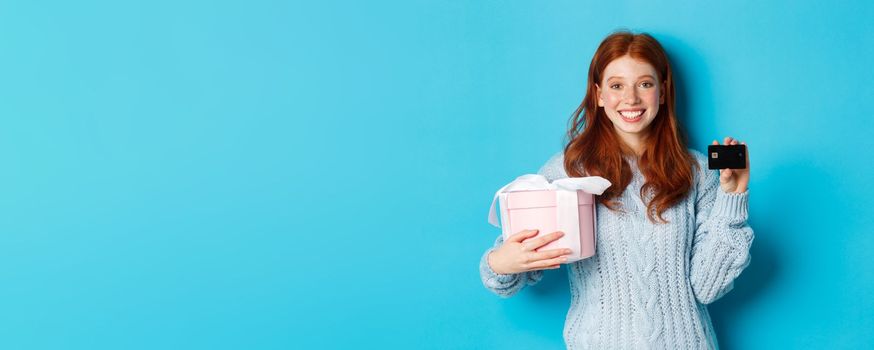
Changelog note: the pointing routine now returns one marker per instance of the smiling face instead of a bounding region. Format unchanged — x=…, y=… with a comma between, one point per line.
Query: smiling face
x=630, y=94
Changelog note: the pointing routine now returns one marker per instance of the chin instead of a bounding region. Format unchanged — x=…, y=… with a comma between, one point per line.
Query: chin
x=637, y=130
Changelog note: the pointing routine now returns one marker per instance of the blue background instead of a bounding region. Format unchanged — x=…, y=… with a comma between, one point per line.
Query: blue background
x=274, y=175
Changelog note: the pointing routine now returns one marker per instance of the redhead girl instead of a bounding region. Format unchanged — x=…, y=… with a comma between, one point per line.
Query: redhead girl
x=672, y=235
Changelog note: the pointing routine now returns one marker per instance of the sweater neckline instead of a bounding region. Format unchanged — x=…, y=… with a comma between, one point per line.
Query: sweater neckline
x=631, y=159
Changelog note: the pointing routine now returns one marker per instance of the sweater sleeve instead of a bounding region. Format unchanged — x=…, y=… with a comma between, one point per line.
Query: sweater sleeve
x=721, y=246
x=505, y=285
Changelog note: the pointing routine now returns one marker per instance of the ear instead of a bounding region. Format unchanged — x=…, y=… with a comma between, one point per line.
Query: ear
x=662, y=93
x=598, y=95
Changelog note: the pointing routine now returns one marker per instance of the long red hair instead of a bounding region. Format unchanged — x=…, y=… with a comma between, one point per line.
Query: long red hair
x=595, y=148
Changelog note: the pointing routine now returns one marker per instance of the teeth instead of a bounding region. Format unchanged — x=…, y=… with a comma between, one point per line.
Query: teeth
x=631, y=114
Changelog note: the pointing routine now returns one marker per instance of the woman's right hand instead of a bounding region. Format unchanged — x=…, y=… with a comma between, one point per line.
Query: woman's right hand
x=518, y=254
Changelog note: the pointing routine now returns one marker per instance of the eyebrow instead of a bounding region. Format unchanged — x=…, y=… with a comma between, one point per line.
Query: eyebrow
x=642, y=76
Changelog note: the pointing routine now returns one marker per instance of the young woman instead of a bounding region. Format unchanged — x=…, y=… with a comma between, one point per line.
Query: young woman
x=672, y=235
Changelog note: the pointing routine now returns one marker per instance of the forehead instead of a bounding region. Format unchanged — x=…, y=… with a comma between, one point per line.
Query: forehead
x=626, y=67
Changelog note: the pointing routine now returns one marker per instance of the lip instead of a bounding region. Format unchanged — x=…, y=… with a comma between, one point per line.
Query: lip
x=635, y=120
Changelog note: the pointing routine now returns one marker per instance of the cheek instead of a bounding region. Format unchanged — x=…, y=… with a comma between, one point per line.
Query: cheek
x=651, y=96
x=611, y=100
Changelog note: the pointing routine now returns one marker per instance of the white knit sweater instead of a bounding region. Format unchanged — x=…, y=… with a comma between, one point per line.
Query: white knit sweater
x=648, y=284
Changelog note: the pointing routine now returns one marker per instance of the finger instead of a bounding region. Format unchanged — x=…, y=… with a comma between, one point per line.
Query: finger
x=726, y=174
x=549, y=254
x=522, y=235
x=726, y=140
x=715, y=142
x=542, y=264
x=733, y=142
x=543, y=240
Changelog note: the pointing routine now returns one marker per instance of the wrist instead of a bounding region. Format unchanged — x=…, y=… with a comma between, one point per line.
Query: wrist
x=492, y=265
x=738, y=189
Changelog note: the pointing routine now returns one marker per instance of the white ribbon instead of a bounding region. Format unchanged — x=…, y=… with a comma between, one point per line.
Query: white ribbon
x=590, y=184
x=567, y=218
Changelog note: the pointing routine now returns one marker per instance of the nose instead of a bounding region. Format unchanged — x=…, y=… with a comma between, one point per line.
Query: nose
x=630, y=96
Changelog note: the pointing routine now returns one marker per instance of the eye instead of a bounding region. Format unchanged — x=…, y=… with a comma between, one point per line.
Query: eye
x=647, y=84
x=615, y=86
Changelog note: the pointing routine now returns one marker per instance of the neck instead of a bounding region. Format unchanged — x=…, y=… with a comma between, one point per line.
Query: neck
x=635, y=142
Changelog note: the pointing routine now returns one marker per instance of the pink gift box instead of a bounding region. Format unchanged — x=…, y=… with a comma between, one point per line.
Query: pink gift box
x=547, y=211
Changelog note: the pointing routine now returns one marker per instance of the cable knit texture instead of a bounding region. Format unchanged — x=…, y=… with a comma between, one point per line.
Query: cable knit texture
x=648, y=284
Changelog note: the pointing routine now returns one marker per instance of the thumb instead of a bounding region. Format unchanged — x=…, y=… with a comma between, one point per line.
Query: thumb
x=522, y=235
x=726, y=174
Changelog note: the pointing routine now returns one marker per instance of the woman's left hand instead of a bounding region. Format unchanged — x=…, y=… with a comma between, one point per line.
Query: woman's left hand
x=734, y=180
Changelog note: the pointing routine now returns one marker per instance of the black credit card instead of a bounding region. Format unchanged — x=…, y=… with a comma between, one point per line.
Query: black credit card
x=727, y=156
